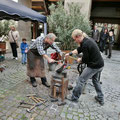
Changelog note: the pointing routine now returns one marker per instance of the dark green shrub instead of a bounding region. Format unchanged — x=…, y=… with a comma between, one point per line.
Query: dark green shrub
x=62, y=23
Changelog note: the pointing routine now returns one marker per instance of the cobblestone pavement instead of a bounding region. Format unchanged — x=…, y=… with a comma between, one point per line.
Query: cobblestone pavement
x=15, y=86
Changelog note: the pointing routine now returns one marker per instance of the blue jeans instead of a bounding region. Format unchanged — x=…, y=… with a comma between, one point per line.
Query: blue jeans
x=87, y=74
x=24, y=58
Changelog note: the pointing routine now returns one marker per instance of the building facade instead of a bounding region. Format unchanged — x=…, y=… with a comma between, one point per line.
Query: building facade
x=98, y=11
x=24, y=28
x=84, y=4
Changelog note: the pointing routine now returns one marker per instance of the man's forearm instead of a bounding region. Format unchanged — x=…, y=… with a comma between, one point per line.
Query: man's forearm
x=73, y=52
x=46, y=57
x=54, y=46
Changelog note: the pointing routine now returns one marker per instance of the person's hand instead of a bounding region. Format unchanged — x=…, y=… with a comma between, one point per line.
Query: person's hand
x=61, y=54
x=26, y=50
x=79, y=60
x=51, y=60
x=67, y=54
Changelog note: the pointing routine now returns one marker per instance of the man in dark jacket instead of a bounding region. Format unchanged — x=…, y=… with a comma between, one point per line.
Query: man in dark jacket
x=95, y=34
x=94, y=61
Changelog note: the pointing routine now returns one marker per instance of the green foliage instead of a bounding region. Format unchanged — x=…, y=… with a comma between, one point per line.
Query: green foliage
x=5, y=27
x=62, y=23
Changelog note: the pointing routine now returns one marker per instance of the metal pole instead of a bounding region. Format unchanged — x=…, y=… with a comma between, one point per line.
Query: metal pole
x=45, y=28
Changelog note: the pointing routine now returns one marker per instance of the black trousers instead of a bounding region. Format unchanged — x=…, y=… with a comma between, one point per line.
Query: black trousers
x=43, y=79
x=14, y=49
x=108, y=48
x=102, y=46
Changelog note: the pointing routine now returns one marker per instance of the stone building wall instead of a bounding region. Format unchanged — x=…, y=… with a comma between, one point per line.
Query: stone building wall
x=24, y=28
x=86, y=6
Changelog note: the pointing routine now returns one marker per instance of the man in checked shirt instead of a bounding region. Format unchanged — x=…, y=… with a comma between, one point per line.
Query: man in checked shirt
x=35, y=55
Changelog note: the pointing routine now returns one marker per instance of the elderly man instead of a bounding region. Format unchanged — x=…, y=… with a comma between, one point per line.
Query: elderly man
x=13, y=39
x=93, y=59
x=35, y=55
x=95, y=34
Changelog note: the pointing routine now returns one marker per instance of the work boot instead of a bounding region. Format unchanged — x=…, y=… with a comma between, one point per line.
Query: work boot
x=70, y=87
x=33, y=81
x=34, y=84
x=109, y=56
x=46, y=84
x=101, y=102
x=70, y=98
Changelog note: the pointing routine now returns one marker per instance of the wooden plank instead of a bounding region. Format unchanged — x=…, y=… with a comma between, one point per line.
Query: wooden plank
x=53, y=0
x=54, y=93
x=37, y=0
x=37, y=4
x=37, y=7
x=46, y=11
x=106, y=0
x=34, y=31
x=43, y=0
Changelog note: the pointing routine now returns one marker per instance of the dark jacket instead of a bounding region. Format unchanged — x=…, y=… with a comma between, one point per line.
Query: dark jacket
x=111, y=40
x=103, y=37
x=95, y=35
x=91, y=53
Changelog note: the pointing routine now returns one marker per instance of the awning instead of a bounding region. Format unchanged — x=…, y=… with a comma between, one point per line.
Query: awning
x=12, y=10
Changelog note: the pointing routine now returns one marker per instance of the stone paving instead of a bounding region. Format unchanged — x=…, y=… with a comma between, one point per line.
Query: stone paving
x=15, y=86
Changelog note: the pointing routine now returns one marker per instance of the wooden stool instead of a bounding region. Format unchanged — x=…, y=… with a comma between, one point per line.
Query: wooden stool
x=62, y=84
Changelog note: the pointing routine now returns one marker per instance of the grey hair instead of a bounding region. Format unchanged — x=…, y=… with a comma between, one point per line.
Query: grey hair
x=51, y=36
x=78, y=32
x=12, y=26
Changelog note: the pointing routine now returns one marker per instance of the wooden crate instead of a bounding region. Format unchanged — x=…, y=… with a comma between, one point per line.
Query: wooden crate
x=2, y=47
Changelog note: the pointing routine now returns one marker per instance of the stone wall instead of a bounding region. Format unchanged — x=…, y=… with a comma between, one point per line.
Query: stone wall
x=86, y=6
x=24, y=28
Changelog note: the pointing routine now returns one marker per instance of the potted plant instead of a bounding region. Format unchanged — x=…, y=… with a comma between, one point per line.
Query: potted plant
x=4, y=29
x=62, y=22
